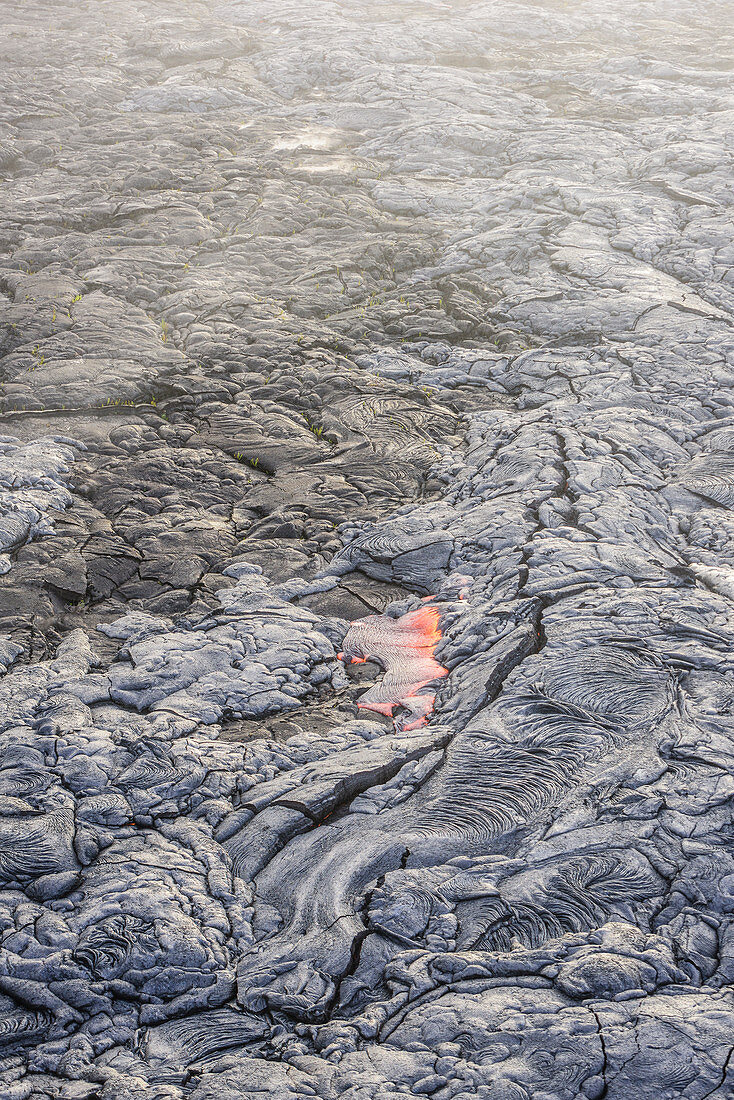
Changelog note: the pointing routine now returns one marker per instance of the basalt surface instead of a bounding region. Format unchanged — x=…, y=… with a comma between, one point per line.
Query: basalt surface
x=366, y=550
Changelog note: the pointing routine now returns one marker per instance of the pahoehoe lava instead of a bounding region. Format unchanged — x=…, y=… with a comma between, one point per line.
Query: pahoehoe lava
x=366, y=550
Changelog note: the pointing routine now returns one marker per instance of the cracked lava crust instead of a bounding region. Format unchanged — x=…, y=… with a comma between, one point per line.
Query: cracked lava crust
x=366, y=550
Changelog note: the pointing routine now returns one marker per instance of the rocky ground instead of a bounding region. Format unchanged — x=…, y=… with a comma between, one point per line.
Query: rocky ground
x=374, y=352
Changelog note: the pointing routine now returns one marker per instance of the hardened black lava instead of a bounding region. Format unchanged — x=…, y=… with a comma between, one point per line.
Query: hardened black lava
x=367, y=550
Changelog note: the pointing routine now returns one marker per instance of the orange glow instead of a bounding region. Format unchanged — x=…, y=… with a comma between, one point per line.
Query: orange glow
x=351, y=660
x=404, y=647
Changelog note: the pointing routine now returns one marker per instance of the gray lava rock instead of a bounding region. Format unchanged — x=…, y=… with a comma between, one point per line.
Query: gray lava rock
x=412, y=313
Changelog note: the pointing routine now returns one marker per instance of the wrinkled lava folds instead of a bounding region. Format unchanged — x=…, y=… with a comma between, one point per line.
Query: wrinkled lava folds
x=405, y=649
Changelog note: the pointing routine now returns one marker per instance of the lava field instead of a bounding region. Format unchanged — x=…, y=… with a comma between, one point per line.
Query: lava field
x=367, y=550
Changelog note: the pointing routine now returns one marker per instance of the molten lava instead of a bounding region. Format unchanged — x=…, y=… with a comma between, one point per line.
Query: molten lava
x=404, y=647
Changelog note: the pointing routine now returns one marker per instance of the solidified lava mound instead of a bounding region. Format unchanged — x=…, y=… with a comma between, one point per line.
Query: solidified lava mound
x=366, y=556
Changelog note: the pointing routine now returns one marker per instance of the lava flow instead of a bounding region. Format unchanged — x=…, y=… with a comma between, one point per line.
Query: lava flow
x=404, y=647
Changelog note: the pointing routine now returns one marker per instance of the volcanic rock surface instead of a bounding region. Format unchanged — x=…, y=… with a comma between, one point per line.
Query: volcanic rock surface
x=367, y=550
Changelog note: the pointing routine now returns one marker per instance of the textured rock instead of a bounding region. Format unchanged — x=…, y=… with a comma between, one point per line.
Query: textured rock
x=366, y=551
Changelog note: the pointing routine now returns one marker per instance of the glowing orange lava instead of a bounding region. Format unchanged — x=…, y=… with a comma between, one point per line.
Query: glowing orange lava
x=404, y=647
